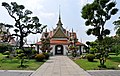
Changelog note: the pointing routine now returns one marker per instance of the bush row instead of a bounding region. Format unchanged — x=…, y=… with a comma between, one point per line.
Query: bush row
x=90, y=57
x=28, y=54
x=42, y=56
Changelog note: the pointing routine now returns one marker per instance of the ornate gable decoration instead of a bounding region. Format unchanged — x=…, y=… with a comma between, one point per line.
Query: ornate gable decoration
x=59, y=34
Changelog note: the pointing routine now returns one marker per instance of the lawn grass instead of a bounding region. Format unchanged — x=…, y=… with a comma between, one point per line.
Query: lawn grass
x=83, y=63
x=13, y=64
x=111, y=63
x=115, y=58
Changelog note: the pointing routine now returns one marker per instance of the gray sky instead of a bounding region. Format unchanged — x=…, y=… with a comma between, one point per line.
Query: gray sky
x=47, y=11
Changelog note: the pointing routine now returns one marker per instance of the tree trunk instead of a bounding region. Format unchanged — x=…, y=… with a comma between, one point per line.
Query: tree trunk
x=21, y=63
x=21, y=43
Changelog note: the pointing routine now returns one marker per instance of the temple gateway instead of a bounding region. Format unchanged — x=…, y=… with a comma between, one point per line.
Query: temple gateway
x=60, y=40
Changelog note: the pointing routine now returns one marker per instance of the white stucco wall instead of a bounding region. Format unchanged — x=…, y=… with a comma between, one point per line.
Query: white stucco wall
x=82, y=50
x=65, y=50
x=36, y=48
x=40, y=51
x=53, y=49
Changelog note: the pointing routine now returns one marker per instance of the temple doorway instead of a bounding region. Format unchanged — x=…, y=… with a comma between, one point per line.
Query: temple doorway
x=59, y=50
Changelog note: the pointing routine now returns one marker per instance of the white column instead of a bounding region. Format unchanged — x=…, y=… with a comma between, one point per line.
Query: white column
x=53, y=49
x=82, y=50
x=65, y=51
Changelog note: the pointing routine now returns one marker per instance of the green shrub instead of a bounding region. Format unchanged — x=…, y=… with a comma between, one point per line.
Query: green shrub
x=34, y=51
x=40, y=57
x=97, y=55
x=83, y=56
x=90, y=57
x=6, y=53
x=46, y=55
x=32, y=54
x=19, y=51
x=4, y=47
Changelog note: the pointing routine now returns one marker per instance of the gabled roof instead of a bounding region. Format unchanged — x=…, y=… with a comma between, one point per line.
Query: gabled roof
x=60, y=42
x=59, y=33
x=63, y=42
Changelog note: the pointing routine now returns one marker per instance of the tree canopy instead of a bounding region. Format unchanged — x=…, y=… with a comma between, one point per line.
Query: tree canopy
x=117, y=26
x=24, y=22
x=97, y=14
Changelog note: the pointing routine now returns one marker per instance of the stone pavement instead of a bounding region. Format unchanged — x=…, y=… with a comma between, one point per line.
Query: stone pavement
x=15, y=73
x=60, y=66
x=104, y=72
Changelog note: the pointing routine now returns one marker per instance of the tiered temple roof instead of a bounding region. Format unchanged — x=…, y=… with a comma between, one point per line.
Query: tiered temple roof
x=59, y=35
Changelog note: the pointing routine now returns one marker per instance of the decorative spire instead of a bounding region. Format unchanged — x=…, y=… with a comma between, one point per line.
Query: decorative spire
x=59, y=13
x=46, y=30
x=72, y=30
x=46, y=33
x=59, y=21
x=72, y=33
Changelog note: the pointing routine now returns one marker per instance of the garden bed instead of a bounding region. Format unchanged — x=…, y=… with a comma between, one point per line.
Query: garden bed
x=13, y=64
x=111, y=63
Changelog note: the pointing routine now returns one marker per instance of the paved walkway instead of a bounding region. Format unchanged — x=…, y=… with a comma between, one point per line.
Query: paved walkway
x=15, y=72
x=104, y=72
x=60, y=66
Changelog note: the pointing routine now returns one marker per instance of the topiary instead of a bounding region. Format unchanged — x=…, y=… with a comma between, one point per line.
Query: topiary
x=34, y=51
x=6, y=53
x=97, y=55
x=90, y=57
x=46, y=55
x=18, y=51
x=40, y=57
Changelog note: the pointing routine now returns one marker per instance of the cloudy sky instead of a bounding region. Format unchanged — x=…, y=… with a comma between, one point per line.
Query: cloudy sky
x=48, y=10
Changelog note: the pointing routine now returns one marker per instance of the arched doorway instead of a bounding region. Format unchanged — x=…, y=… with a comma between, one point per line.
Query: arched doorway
x=59, y=50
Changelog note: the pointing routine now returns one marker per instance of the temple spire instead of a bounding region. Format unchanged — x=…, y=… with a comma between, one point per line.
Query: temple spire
x=72, y=30
x=59, y=13
x=46, y=30
x=59, y=21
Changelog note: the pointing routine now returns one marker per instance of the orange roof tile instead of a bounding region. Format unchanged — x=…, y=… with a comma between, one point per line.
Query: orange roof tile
x=65, y=42
x=62, y=42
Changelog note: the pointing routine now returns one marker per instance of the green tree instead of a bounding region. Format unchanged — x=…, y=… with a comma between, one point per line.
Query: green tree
x=21, y=55
x=5, y=47
x=107, y=42
x=24, y=23
x=116, y=45
x=116, y=49
x=105, y=46
x=117, y=26
x=88, y=46
x=93, y=47
x=96, y=15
